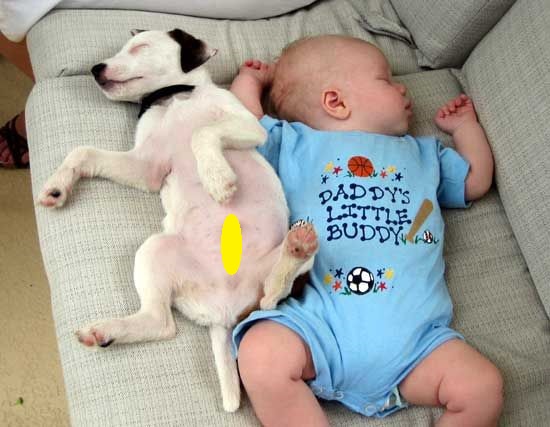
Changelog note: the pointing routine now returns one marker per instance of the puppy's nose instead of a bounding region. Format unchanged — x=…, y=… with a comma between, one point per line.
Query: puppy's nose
x=97, y=69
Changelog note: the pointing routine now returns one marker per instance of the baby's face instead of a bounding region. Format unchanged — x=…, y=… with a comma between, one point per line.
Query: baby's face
x=357, y=78
x=378, y=103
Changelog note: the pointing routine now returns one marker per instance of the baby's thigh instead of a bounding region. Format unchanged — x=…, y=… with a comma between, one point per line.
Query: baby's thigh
x=269, y=348
x=451, y=373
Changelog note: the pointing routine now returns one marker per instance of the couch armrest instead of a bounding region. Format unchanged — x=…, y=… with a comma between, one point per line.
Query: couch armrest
x=507, y=76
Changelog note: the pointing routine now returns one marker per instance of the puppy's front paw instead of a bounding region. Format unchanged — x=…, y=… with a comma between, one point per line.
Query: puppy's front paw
x=55, y=192
x=221, y=186
x=52, y=197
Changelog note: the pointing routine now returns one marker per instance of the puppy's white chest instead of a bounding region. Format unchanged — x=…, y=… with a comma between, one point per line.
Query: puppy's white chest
x=190, y=113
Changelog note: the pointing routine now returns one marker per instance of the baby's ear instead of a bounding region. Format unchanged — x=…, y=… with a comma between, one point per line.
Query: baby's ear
x=335, y=105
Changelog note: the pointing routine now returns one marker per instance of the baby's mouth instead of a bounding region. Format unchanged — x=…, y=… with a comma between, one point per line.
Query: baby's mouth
x=408, y=108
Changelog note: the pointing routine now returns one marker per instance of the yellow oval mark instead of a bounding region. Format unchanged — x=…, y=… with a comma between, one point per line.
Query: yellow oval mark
x=231, y=244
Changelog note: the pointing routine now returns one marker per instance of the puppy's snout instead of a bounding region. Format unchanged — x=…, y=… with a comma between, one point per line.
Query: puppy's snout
x=97, y=70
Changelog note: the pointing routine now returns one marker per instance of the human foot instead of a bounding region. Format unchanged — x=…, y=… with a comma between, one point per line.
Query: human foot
x=14, y=151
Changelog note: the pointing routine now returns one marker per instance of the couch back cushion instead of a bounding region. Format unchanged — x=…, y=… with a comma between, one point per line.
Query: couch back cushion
x=508, y=77
x=99, y=34
x=446, y=31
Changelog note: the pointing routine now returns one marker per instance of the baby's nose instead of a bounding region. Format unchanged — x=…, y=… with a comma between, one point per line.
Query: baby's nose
x=401, y=88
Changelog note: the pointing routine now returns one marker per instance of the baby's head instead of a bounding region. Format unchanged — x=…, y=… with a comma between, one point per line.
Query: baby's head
x=339, y=83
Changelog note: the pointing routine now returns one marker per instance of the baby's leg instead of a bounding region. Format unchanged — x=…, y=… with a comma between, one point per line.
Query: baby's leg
x=456, y=376
x=274, y=362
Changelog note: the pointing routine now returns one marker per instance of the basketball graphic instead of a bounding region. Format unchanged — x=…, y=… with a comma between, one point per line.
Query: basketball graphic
x=360, y=166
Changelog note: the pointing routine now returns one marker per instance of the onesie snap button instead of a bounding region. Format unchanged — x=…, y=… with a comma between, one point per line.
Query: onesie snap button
x=338, y=394
x=370, y=409
x=316, y=389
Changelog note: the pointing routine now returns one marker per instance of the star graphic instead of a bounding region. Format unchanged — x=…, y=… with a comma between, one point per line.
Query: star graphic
x=380, y=272
x=339, y=273
x=389, y=273
x=383, y=174
x=329, y=166
x=328, y=278
x=398, y=176
x=337, y=285
x=382, y=286
x=324, y=179
x=337, y=170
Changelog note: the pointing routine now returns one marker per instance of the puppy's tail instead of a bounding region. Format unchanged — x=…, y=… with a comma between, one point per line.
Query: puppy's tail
x=226, y=367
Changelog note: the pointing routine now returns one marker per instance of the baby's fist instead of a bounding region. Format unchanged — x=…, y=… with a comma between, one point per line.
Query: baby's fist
x=455, y=113
x=259, y=70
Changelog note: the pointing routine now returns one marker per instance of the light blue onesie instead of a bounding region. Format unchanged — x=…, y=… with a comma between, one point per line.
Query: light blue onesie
x=377, y=303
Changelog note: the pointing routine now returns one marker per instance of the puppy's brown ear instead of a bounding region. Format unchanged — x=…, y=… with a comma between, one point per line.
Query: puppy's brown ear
x=194, y=52
x=134, y=32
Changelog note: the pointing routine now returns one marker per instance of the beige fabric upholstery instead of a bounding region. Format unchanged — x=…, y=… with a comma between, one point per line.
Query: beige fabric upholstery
x=445, y=31
x=508, y=77
x=89, y=245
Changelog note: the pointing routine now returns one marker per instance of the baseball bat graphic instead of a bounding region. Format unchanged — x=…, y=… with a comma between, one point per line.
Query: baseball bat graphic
x=425, y=210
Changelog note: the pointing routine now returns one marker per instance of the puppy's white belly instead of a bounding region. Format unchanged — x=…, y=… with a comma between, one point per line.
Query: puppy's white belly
x=259, y=205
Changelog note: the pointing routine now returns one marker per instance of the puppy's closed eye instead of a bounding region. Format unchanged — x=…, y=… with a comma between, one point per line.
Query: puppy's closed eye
x=135, y=49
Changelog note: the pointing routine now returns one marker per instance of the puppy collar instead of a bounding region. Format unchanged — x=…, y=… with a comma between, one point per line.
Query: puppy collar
x=163, y=92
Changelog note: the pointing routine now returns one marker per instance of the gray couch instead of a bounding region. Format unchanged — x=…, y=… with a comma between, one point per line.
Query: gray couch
x=497, y=252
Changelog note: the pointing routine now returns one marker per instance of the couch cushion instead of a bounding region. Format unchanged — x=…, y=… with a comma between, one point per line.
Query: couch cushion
x=78, y=39
x=446, y=31
x=16, y=16
x=89, y=245
x=236, y=9
x=507, y=75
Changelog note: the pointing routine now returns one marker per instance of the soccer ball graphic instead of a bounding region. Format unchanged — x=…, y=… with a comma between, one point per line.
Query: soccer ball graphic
x=360, y=280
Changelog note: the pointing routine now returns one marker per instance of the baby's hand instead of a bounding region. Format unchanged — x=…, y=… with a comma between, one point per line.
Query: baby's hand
x=259, y=70
x=455, y=113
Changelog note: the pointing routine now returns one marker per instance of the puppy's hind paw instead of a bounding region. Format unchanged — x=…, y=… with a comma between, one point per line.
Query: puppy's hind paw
x=99, y=334
x=93, y=338
x=302, y=240
x=268, y=302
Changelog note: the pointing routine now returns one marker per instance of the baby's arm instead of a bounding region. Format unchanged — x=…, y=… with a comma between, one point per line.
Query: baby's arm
x=458, y=118
x=254, y=76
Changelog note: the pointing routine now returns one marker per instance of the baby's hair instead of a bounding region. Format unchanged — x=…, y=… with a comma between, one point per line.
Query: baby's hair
x=292, y=95
x=295, y=43
x=286, y=97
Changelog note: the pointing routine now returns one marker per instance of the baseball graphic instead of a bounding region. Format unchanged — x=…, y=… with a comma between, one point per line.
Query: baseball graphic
x=425, y=210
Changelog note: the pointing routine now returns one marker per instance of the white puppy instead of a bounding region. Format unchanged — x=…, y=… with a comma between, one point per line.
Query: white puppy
x=194, y=143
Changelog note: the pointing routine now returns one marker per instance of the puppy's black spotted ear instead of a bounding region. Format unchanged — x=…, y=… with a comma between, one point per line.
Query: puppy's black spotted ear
x=193, y=51
x=134, y=32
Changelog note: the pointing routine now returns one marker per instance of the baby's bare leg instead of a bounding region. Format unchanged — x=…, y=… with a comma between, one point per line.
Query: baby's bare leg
x=273, y=363
x=458, y=377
